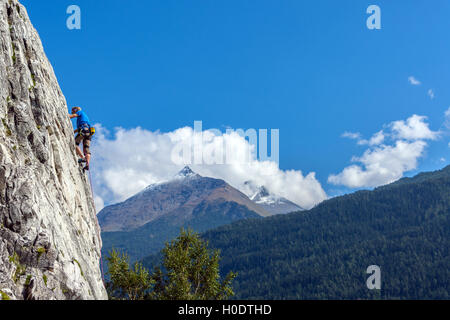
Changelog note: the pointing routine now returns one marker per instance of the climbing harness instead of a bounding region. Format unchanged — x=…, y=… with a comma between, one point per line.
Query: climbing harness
x=86, y=130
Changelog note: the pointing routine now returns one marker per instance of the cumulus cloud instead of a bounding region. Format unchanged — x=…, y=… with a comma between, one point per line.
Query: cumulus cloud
x=385, y=162
x=413, y=81
x=431, y=94
x=128, y=160
x=376, y=139
x=381, y=165
x=414, y=128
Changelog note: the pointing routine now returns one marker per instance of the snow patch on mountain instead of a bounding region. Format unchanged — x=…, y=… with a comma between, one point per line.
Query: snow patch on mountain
x=273, y=203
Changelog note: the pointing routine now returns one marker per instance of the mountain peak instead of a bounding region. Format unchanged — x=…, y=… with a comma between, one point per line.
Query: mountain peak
x=186, y=171
x=263, y=192
x=269, y=201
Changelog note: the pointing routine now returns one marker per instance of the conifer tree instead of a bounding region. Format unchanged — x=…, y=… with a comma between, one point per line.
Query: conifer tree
x=189, y=271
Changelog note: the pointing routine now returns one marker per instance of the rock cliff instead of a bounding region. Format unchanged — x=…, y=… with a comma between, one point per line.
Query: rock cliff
x=49, y=235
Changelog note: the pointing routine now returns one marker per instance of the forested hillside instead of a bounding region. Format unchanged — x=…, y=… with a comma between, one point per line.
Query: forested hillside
x=323, y=253
x=151, y=237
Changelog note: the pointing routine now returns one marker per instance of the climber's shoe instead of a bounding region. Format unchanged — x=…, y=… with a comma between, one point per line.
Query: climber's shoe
x=80, y=161
x=86, y=168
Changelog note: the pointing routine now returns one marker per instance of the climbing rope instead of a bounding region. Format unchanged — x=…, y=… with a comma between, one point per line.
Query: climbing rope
x=93, y=201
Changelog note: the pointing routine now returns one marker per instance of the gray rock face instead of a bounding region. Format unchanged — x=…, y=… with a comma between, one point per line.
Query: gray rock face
x=49, y=235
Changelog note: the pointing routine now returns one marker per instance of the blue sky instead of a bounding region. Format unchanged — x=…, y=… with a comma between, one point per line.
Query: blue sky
x=309, y=68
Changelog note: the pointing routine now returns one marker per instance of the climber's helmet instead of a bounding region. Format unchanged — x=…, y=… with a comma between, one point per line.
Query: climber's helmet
x=75, y=110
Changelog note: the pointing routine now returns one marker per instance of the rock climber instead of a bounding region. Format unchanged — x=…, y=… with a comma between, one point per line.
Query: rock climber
x=84, y=133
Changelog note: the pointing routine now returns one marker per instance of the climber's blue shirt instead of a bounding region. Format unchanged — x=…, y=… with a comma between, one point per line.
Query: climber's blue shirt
x=82, y=119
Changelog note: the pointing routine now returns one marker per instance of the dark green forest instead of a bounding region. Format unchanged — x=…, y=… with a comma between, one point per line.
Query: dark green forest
x=323, y=253
x=151, y=237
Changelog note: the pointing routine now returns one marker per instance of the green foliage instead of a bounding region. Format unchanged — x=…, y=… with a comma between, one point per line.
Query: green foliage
x=127, y=283
x=32, y=87
x=190, y=271
x=63, y=288
x=14, y=58
x=20, y=269
x=44, y=277
x=4, y=296
x=323, y=253
x=27, y=281
x=79, y=266
x=40, y=250
x=8, y=130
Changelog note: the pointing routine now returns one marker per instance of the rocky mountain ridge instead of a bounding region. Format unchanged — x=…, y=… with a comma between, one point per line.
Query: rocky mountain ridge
x=270, y=202
x=178, y=197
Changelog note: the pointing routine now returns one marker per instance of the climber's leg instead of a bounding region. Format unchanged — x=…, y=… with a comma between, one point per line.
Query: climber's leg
x=87, y=151
x=78, y=140
x=79, y=152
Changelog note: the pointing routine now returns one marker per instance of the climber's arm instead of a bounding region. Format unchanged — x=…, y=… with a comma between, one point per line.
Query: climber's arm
x=71, y=116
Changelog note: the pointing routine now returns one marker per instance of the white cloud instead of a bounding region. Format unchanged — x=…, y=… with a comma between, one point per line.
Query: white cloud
x=384, y=163
x=414, y=128
x=131, y=159
x=98, y=202
x=413, y=81
x=376, y=139
x=351, y=135
x=381, y=165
